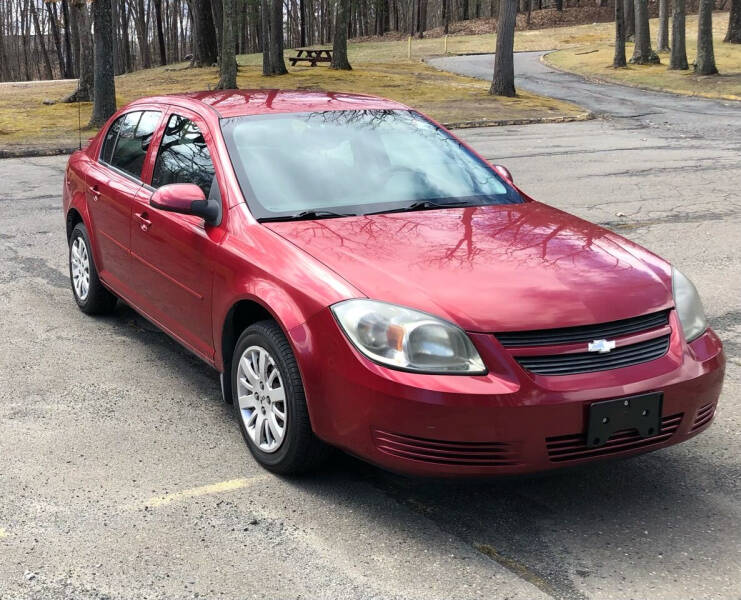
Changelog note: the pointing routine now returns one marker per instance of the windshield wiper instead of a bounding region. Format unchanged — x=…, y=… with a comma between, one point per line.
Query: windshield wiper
x=423, y=205
x=308, y=215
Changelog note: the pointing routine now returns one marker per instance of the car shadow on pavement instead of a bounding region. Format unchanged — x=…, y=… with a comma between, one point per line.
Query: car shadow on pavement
x=564, y=531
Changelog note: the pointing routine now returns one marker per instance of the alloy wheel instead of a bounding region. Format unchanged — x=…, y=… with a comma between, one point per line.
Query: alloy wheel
x=80, y=263
x=262, y=398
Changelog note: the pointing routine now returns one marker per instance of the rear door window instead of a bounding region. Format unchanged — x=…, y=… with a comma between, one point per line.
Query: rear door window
x=128, y=139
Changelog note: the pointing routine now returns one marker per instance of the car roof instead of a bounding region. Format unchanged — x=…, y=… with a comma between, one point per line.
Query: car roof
x=234, y=103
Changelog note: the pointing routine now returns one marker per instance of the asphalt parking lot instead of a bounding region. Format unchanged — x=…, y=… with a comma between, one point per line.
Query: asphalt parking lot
x=123, y=475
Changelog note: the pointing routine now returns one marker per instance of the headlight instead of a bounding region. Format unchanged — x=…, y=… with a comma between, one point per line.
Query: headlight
x=407, y=339
x=689, y=307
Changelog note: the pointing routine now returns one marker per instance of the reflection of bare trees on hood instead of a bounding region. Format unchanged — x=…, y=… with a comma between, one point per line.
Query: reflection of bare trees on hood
x=528, y=234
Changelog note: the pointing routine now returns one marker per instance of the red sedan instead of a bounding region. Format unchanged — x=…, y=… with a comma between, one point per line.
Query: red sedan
x=362, y=279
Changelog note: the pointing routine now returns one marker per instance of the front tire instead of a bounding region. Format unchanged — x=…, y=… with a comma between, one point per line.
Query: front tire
x=90, y=294
x=270, y=403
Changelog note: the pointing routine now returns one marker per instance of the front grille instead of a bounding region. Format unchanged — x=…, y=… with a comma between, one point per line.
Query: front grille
x=583, y=333
x=588, y=362
x=487, y=454
x=563, y=448
x=704, y=416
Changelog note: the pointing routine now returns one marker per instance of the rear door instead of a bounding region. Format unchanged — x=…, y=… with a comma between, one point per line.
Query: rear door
x=172, y=254
x=112, y=185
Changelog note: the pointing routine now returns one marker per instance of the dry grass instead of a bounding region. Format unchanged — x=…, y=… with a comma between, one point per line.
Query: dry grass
x=595, y=60
x=26, y=121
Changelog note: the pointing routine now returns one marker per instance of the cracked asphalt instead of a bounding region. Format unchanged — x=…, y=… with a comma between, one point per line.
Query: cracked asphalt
x=122, y=474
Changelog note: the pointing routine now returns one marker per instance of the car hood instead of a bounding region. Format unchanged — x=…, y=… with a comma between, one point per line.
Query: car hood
x=490, y=268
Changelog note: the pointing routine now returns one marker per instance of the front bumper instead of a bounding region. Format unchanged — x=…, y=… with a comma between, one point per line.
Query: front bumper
x=508, y=421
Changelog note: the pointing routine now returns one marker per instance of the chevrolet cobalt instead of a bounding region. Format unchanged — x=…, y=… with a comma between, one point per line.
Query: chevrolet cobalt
x=362, y=279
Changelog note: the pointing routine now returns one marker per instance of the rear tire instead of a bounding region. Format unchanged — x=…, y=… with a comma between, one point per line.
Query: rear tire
x=90, y=294
x=270, y=404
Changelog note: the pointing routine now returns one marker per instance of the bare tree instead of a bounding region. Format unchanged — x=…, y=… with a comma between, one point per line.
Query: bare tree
x=48, y=72
x=104, y=101
x=733, y=35
x=339, y=43
x=228, y=59
x=503, y=82
x=277, y=62
x=160, y=31
x=267, y=66
x=205, y=49
x=705, y=61
x=642, y=53
x=619, y=58
x=678, y=58
x=662, y=38
x=84, y=91
x=629, y=14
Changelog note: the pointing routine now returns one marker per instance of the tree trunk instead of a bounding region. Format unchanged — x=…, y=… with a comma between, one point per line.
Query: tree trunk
x=662, y=38
x=422, y=18
x=302, y=23
x=503, y=82
x=127, y=62
x=205, y=53
x=216, y=10
x=228, y=59
x=140, y=23
x=619, y=58
x=643, y=54
x=446, y=16
x=51, y=9
x=72, y=63
x=339, y=43
x=160, y=31
x=48, y=71
x=277, y=62
x=678, y=59
x=84, y=92
x=705, y=61
x=104, y=102
x=733, y=35
x=629, y=15
x=267, y=65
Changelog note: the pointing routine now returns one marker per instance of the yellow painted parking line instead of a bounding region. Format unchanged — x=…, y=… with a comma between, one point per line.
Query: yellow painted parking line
x=518, y=568
x=204, y=490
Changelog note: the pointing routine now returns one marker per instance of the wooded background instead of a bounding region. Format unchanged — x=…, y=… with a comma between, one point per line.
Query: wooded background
x=42, y=39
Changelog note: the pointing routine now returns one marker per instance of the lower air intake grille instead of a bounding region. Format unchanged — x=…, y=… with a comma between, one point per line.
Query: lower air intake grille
x=704, y=416
x=574, y=447
x=487, y=454
x=588, y=362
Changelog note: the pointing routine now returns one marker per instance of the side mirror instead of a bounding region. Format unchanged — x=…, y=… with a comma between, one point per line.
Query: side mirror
x=186, y=199
x=504, y=172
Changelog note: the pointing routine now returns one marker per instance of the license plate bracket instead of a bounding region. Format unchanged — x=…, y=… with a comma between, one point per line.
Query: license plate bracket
x=641, y=412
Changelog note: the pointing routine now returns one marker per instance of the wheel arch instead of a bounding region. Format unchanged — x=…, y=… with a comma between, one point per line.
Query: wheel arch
x=242, y=314
x=73, y=218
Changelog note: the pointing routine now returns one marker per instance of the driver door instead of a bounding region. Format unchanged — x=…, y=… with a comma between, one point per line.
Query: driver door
x=173, y=254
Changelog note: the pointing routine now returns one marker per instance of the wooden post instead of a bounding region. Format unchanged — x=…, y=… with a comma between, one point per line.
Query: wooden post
x=446, y=44
x=409, y=47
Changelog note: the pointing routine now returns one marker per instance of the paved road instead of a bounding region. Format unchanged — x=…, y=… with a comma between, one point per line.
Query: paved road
x=678, y=115
x=123, y=476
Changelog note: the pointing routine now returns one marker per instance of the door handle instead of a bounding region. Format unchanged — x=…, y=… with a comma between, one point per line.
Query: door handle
x=144, y=221
x=95, y=192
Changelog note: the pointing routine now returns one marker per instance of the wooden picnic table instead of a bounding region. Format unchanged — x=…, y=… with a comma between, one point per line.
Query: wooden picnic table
x=312, y=56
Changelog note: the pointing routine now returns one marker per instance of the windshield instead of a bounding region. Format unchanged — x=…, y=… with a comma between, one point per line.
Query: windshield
x=354, y=162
